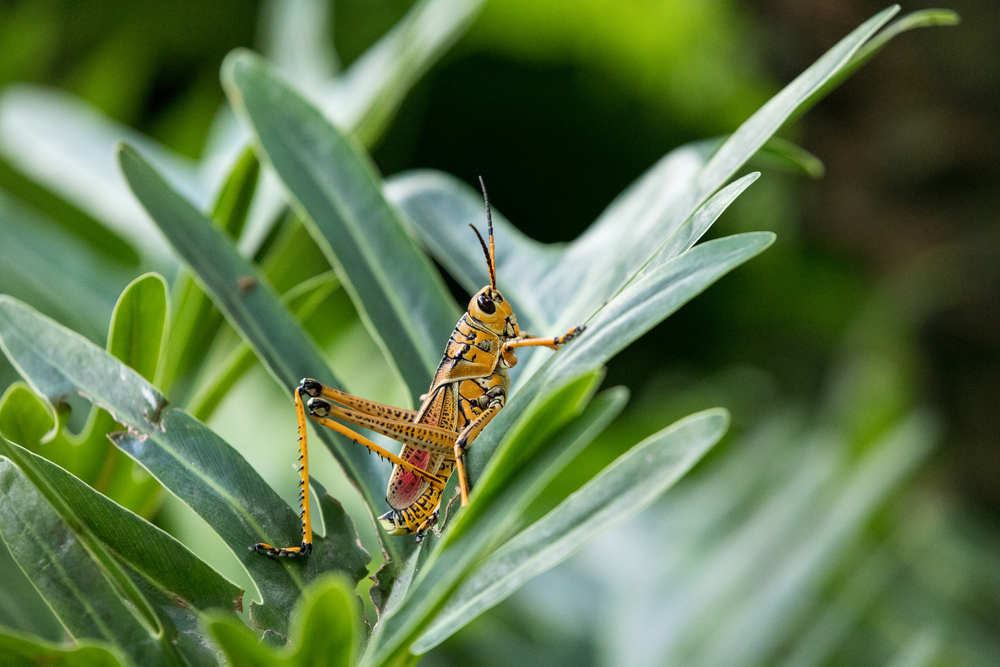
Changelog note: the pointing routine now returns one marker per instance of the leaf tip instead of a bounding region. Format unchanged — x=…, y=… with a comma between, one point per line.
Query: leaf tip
x=237, y=64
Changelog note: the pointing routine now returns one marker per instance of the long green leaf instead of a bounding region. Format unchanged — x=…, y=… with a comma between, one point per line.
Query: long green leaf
x=459, y=550
x=364, y=98
x=140, y=314
x=639, y=307
x=185, y=456
x=606, y=276
x=619, y=492
x=148, y=550
x=69, y=577
x=250, y=303
x=595, y=266
x=23, y=650
x=218, y=484
x=325, y=628
x=57, y=362
x=398, y=293
x=165, y=573
x=136, y=336
x=634, y=311
x=196, y=321
x=921, y=19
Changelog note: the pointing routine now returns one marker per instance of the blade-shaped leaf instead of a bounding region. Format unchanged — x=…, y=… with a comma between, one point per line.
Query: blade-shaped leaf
x=136, y=336
x=920, y=19
x=459, y=550
x=255, y=310
x=365, y=98
x=692, y=229
x=138, y=324
x=634, y=311
x=325, y=628
x=607, y=270
x=21, y=649
x=645, y=216
x=148, y=550
x=57, y=362
x=196, y=321
x=185, y=456
x=619, y=492
x=398, y=293
x=69, y=577
x=219, y=485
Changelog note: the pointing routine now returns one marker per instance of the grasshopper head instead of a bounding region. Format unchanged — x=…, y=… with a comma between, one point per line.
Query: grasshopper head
x=493, y=312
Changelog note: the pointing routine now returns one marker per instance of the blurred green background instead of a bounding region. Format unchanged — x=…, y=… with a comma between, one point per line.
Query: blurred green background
x=880, y=297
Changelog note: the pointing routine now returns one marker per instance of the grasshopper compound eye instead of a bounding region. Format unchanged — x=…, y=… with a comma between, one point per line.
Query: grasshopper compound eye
x=486, y=304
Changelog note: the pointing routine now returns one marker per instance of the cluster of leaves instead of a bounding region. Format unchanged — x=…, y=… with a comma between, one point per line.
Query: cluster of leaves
x=128, y=593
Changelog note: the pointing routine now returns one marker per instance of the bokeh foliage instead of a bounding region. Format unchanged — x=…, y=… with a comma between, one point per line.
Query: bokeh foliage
x=846, y=562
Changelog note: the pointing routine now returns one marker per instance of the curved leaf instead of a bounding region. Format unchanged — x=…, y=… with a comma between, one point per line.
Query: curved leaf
x=146, y=549
x=398, y=293
x=68, y=576
x=220, y=486
x=267, y=326
x=634, y=227
x=635, y=310
x=35, y=651
x=187, y=458
x=365, y=98
x=139, y=324
x=920, y=19
x=57, y=362
x=325, y=628
x=466, y=543
x=619, y=492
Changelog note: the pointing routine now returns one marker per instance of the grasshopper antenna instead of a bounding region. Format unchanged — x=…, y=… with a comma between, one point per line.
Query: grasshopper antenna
x=490, y=256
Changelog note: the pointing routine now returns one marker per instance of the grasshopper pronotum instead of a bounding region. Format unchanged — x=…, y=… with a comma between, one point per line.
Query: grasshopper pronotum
x=469, y=388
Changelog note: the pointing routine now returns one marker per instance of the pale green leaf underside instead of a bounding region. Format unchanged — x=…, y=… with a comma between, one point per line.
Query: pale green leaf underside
x=619, y=492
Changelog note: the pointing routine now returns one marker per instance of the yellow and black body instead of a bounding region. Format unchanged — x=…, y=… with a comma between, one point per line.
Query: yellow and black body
x=469, y=388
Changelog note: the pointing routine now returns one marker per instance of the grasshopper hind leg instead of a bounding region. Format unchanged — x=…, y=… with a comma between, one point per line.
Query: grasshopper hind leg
x=305, y=547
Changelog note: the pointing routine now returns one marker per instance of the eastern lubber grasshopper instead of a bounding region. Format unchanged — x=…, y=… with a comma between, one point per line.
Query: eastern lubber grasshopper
x=469, y=388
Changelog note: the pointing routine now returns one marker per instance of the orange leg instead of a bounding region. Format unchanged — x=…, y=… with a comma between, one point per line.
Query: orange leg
x=306, y=546
x=422, y=436
x=553, y=343
x=470, y=433
x=317, y=389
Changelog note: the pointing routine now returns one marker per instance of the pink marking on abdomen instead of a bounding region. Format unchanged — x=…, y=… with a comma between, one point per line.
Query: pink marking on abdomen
x=409, y=484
